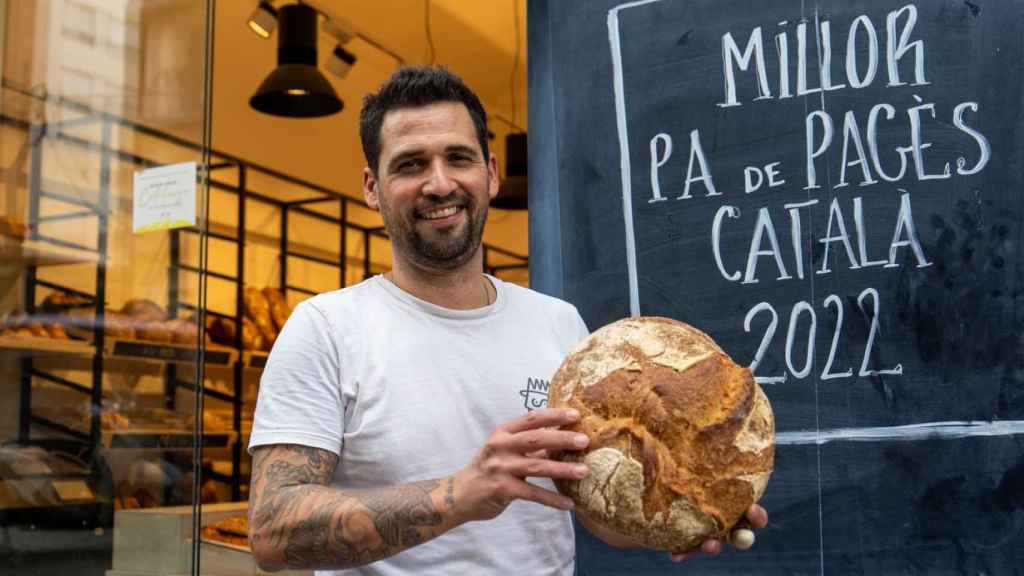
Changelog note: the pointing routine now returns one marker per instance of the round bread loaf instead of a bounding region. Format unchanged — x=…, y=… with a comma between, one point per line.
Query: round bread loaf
x=681, y=438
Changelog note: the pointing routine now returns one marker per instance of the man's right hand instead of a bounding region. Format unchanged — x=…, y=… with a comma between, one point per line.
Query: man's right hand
x=516, y=450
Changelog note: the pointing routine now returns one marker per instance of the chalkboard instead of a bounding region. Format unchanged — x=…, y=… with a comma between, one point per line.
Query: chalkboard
x=832, y=190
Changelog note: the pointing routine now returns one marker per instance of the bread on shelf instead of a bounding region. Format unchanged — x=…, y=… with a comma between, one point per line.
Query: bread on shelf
x=231, y=530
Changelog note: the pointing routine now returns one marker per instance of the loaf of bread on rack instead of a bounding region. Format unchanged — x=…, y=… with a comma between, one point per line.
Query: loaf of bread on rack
x=279, y=310
x=252, y=336
x=143, y=310
x=257, y=308
x=118, y=325
x=221, y=330
x=183, y=331
x=231, y=530
x=37, y=326
x=13, y=226
x=60, y=302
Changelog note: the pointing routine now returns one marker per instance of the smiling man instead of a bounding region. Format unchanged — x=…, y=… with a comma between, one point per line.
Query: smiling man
x=390, y=435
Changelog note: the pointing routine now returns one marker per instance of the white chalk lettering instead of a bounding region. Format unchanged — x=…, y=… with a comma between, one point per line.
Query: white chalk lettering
x=772, y=170
x=852, y=74
x=749, y=184
x=905, y=222
x=890, y=113
x=716, y=240
x=871, y=335
x=862, y=237
x=782, y=49
x=918, y=147
x=894, y=50
x=812, y=152
x=801, y=62
x=657, y=161
x=697, y=153
x=731, y=57
x=794, y=319
x=983, y=146
x=763, y=227
x=796, y=232
x=835, y=215
x=852, y=133
x=825, y=52
x=827, y=373
x=798, y=310
x=766, y=340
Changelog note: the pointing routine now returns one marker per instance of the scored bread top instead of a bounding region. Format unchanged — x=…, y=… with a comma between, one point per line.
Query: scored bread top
x=681, y=437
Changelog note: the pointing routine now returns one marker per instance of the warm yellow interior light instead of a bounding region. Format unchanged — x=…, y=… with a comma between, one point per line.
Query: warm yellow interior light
x=259, y=29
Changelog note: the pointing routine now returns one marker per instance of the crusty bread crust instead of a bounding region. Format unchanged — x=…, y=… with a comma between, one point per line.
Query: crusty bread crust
x=681, y=438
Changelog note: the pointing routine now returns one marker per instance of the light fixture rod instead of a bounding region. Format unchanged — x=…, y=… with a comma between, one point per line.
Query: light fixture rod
x=326, y=13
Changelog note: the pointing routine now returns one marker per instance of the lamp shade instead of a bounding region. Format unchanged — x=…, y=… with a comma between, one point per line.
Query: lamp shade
x=296, y=88
x=296, y=91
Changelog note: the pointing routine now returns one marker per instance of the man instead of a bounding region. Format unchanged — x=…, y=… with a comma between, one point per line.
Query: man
x=390, y=432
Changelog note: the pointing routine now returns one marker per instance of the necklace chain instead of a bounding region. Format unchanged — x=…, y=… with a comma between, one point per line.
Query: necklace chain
x=483, y=280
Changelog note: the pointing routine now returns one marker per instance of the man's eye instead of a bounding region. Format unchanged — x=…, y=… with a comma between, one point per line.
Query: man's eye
x=460, y=159
x=409, y=166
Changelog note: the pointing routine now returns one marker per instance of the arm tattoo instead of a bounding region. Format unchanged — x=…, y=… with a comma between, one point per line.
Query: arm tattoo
x=449, y=496
x=399, y=512
x=300, y=521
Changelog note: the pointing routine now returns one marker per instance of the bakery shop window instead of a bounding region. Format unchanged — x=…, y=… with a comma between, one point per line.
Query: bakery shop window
x=130, y=355
x=102, y=350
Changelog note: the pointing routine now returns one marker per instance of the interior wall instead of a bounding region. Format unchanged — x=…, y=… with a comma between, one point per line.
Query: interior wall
x=475, y=40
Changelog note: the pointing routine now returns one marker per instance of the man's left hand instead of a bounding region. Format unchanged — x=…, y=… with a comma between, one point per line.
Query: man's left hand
x=756, y=516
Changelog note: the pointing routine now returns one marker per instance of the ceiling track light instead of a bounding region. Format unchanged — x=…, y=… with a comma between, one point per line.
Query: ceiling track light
x=296, y=88
x=340, y=61
x=263, y=19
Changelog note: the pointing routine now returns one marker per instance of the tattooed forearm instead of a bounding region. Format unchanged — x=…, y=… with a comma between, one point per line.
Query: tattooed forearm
x=298, y=521
x=399, y=513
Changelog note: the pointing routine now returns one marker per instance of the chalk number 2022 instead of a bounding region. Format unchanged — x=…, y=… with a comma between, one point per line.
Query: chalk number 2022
x=801, y=308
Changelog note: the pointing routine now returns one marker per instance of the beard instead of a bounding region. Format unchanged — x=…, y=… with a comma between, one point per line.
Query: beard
x=443, y=249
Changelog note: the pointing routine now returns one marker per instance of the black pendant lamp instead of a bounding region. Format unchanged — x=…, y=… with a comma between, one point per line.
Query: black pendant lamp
x=513, y=192
x=296, y=88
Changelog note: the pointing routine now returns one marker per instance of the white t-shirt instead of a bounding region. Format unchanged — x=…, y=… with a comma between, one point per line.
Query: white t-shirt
x=404, y=390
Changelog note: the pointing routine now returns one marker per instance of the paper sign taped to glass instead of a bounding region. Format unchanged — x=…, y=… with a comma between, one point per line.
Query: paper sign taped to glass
x=164, y=198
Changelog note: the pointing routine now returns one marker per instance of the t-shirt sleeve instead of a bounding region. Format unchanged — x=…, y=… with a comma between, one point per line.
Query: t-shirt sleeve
x=300, y=399
x=575, y=328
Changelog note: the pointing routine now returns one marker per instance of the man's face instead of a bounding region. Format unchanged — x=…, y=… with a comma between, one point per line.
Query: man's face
x=432, y=185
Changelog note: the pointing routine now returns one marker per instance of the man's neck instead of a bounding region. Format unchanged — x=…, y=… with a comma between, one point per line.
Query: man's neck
x=463, y=288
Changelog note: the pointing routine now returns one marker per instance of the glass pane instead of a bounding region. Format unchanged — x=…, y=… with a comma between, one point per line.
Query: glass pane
x=101, y=150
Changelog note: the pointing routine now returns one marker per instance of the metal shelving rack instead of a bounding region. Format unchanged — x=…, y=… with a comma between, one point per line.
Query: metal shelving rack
x=315, y=196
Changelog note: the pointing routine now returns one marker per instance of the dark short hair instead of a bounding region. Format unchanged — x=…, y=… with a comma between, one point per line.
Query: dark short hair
x=414, y=86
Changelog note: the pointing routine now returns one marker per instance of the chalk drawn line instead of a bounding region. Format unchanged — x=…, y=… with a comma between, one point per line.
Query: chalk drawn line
x=620, y=121
x=907, y=433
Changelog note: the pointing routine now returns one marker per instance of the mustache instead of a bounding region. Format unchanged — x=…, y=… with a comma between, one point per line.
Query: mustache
x=454, y=199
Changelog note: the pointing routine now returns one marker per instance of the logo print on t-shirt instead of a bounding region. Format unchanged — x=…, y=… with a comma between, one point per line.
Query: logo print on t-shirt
x=535, y=395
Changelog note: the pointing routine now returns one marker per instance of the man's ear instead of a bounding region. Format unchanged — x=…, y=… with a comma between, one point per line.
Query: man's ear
x=493, y=181
x=370, y=189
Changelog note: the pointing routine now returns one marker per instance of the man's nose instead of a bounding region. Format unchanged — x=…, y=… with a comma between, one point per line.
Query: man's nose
x=439, y=181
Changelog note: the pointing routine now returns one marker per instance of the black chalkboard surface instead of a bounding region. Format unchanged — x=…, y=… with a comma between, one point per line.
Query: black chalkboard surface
x=832, y=190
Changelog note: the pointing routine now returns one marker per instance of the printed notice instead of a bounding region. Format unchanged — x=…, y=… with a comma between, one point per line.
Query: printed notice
x=164, y=198
x=70, y=490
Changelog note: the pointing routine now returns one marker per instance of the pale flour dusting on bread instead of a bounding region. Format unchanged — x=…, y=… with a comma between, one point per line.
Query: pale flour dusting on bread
x=759, y=426
x=687, y=520
x=664, y=344
x=611, y=472
x=759, y=482
x=611, y=346
x=614, y=489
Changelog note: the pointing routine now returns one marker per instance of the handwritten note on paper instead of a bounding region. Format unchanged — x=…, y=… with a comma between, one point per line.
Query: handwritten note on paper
x=164, y=198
